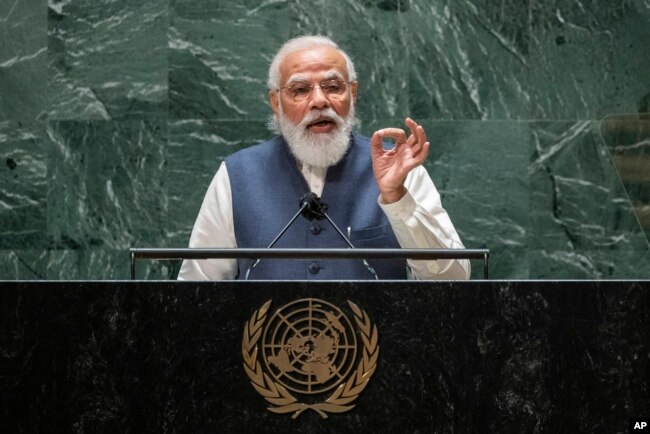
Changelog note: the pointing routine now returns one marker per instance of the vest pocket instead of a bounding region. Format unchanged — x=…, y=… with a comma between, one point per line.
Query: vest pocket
x=369, y=236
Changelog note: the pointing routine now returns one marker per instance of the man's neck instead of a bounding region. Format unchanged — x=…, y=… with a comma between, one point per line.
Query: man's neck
x=314, y=176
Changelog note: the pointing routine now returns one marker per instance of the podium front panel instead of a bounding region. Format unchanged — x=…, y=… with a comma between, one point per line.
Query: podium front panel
x=477, y=356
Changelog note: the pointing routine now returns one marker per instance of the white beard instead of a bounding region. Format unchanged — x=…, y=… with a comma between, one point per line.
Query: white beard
x=318, y=149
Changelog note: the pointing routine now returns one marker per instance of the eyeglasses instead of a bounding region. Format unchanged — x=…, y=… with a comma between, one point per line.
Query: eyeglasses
x=300, y=91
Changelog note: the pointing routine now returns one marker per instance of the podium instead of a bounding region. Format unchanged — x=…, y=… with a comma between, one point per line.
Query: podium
x=474, y=356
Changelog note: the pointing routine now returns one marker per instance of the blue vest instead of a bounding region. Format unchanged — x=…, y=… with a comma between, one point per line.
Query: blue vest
x=266, y=189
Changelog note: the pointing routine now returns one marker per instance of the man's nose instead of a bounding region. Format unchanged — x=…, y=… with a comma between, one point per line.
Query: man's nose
x=318, y=98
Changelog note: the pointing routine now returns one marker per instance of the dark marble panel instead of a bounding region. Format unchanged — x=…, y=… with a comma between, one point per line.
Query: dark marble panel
x=588, y=59
x=23, y=181
x=23, y=32
x=570, y=263
x=105, y=264
x=579, y=212
x=195, y=151
x=106, y=188
x=468, y=60
x=23, y=264
x=519, y=60
x=220, y=53
x=479, y=169
x=453, y=357
x=628, y=140
x=107, y=59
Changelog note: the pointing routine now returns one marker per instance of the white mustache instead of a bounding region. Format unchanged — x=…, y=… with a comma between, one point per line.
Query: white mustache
x=325, y=114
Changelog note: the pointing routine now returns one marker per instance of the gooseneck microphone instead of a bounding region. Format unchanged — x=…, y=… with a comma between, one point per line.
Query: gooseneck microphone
x=312, y=208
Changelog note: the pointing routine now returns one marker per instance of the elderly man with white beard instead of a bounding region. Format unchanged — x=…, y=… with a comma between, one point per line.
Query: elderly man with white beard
x=381, y=194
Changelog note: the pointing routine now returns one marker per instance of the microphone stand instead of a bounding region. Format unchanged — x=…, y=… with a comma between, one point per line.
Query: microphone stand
x=312, y=208
x=303, y=207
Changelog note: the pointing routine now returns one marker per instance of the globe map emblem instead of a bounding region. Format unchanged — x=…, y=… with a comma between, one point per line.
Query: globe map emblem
x=309, y=346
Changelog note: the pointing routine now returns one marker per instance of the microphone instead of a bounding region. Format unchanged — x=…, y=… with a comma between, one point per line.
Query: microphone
x=312, y=208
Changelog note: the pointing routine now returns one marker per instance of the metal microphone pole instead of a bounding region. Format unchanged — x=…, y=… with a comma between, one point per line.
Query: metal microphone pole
x=312, y=207
x=304, y=206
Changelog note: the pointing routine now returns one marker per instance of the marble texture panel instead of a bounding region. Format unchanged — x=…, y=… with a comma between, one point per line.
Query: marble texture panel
x=220, y=53
x=627, y=138
x=105, y=264
x=580, y=215
x=195, y=151
x=218, y=57
x=589, y=59
x=567, y=263
x=106, y=188
x=23, y=182
x=23, y=52
x=468, y=60
x=107, y=59
x=23, y=264
x=518, y=60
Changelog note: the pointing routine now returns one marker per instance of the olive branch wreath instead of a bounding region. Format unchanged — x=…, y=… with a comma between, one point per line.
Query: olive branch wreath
x=281, y=400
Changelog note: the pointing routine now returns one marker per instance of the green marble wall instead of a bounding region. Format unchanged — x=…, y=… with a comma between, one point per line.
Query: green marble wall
x=114, y=116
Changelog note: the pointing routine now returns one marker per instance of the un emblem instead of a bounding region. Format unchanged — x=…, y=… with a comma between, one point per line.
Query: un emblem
x=309, y=348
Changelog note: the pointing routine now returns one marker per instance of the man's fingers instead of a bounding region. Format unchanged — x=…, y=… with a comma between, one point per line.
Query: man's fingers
x=376, y=147
x=422, y=154
x=414, y=147
x=394, y=133
x=417, y=131
x=410, y=123
x=422, y=136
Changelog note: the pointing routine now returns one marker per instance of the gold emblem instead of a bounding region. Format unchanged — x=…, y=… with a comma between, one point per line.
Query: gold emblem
x=309, y=347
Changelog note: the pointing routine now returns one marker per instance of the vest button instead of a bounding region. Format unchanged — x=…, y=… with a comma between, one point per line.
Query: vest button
x=314, y=268
x=315, y=229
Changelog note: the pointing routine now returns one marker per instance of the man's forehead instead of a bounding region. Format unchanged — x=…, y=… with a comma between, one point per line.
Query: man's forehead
x=322, y=60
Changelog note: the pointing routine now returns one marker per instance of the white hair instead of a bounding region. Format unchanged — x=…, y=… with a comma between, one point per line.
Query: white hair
x=302, y=43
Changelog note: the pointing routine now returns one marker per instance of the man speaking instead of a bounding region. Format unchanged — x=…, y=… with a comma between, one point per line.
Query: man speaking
x=383, y=197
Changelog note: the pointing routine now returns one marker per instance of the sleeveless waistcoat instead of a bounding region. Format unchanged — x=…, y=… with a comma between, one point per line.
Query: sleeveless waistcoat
x=266, y=189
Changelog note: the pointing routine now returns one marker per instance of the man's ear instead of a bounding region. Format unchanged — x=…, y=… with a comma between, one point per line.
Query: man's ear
x=275, y=103
x=355, y=88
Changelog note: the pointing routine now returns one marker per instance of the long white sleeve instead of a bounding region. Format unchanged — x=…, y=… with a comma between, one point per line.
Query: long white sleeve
x=419, y=221
x=214, y=228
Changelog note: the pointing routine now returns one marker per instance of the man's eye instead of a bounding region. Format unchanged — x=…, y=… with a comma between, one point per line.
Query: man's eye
x=300, y=90
x=333, y=87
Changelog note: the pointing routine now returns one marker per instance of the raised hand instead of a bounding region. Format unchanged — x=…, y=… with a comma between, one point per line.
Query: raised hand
x=391, y=167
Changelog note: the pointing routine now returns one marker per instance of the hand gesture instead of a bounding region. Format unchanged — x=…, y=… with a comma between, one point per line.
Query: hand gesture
x=391, y=167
